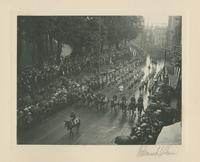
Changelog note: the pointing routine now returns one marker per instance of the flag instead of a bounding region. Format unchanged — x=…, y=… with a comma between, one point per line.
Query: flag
x=170, y=69
x=174, y=77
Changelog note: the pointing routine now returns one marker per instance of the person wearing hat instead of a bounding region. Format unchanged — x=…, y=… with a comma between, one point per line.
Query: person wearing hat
x=132, y=106
x=140, y=105
x=73, y=117
x=123, y=105
x=113, y=103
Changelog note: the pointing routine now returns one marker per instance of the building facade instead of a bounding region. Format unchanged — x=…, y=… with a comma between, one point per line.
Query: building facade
x=174, y=33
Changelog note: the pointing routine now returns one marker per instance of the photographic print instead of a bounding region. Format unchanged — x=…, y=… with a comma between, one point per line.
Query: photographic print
x=99, y=80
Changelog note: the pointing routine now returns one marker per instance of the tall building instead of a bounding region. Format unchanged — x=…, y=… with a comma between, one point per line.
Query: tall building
x=174, y=45
x=153, y=36
x=174, y=32
x=159, y=36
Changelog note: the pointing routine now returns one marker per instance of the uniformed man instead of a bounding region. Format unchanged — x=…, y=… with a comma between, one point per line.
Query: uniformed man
x=132, y=106
x=140, y=105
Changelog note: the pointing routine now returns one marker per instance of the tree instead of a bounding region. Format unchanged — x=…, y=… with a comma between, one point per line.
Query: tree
x=90, y=32
x=33, y=29
x=122, y=28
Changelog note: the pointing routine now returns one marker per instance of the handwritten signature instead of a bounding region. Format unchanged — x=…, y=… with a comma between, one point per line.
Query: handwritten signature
x=155, y=151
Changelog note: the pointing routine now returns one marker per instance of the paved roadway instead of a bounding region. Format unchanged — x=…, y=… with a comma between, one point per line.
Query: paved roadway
x=96, y=127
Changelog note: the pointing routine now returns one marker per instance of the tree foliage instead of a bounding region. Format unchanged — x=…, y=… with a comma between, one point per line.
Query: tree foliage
x=90, y=32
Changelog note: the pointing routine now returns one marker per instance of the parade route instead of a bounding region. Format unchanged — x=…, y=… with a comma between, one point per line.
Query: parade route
x=97, y=127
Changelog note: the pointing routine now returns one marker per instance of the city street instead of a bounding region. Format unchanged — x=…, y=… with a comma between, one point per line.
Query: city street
x=97, y=127
x=85, y=80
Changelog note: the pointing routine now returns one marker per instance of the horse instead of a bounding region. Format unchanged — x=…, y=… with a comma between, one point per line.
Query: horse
x=105, y=102
x=113, y=105
x=123, y=107
x=89, y=100
x=72, y=124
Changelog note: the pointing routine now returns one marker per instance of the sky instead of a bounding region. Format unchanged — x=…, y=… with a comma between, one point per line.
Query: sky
x=155, y=20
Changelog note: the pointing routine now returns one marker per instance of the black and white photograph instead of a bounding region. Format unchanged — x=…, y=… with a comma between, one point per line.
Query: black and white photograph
x=99, y=80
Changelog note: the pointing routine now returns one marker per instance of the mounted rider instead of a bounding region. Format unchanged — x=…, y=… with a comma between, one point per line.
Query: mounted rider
x=132, y=106
x=140, y=105
x=74, y=118
x=105, y=101
x=113, y=103
x=123, y=105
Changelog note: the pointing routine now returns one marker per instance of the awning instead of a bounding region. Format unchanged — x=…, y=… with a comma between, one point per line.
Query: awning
x=170, y=135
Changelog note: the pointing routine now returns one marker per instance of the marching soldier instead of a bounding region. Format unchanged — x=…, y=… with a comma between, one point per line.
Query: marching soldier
x=140, y=105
